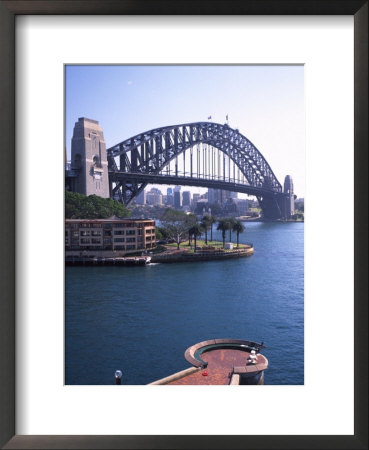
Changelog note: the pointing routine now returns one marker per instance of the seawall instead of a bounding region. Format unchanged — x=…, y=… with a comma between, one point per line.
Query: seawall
x=183, y=256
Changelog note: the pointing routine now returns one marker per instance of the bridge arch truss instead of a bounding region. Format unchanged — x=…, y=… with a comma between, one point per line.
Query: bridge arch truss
x=134, y=162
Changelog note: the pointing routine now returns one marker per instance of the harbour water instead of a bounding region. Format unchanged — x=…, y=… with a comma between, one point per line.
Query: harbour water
x=142, y=319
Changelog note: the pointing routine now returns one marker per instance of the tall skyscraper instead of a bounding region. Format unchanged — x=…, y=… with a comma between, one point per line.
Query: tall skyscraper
x=177, y=199
x=186, y=198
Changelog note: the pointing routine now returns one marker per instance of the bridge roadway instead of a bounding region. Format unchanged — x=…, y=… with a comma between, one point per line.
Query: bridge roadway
x=139, y=177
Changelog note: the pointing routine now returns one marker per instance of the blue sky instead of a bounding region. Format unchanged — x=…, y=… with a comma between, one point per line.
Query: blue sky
x=265, y=102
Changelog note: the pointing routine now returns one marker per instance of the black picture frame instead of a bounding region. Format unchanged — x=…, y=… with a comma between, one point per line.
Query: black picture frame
x=8, y=12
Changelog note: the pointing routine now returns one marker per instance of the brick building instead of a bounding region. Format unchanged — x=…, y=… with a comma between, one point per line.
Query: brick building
x=108, y=237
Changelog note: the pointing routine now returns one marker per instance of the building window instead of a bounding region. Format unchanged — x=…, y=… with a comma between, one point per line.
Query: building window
x=131, y=247
x=107, y=233
x=85, y=233
x=118, y=232
x=119, y=247
x=95, y=241
x=96, y=233
x=131, y=232
x=118, y=239
x=85, y=241
x=131, y=239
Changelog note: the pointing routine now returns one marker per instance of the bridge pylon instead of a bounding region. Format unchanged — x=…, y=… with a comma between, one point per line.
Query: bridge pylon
x=89, y=163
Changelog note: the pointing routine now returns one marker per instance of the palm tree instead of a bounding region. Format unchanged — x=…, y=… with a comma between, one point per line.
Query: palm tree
x=206, y=223
x=238, y=227
x=212, y=221
x=223, y=226
x=196, y=231
x=231, y=222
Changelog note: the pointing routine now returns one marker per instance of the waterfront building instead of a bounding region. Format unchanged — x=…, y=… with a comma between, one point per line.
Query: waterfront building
x=108, y=237
x=230, y=208
x=242, y=206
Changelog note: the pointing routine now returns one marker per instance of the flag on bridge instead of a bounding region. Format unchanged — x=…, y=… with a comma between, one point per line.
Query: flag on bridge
x=209, y=117
x=227, y=117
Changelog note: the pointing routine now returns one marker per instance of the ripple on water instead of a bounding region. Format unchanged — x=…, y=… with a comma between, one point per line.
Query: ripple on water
x=125, y=317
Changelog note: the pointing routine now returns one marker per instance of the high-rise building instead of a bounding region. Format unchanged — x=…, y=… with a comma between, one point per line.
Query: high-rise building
x=89, y=161
x=195, y=199
x=170, y=200
x=177, y=199
x=213, y=195
x=141, y=198
x=186, y=198
x=154, y=198
x=220, y=196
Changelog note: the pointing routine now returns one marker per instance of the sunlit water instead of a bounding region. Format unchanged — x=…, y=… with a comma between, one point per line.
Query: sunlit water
x=142, y=319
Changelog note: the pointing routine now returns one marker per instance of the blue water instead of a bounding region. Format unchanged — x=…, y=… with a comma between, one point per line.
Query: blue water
x=142, y=319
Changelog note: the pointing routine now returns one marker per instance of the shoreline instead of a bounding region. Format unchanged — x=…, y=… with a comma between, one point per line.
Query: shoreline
x=174, y=256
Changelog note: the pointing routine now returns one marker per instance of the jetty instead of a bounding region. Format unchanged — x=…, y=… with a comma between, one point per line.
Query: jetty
x=221, y=362
x=100, y=261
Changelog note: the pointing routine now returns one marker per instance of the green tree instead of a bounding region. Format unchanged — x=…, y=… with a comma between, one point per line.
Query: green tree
x=195, y=231
x=177, y=224
x=212, y=221
x=223, y=226
x=79, y=206
x=206, y=223
x=238, y=227
x=231, y=222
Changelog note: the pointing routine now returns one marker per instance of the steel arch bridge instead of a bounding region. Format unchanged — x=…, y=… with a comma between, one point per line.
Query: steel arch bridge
x=203, y=154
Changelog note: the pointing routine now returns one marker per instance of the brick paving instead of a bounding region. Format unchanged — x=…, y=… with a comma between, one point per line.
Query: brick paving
x=219, y=369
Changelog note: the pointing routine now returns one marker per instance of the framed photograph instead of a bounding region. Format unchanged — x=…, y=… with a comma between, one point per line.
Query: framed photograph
x=108, y=99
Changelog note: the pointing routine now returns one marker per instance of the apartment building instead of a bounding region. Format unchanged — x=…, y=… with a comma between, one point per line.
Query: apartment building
x=108, y=237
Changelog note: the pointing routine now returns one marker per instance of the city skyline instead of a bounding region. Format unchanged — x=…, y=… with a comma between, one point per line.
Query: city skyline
x=266, y=104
